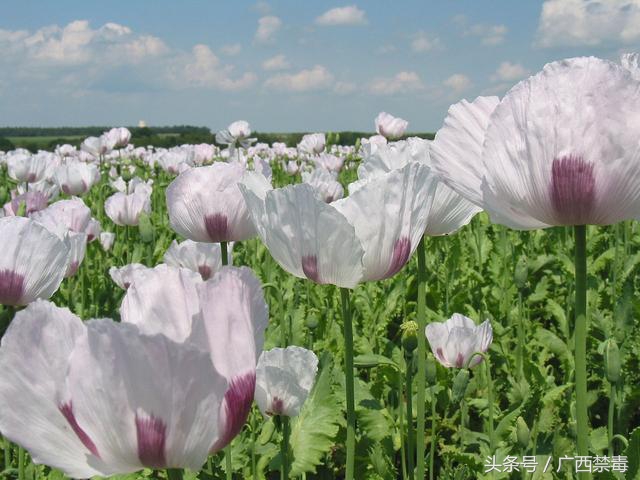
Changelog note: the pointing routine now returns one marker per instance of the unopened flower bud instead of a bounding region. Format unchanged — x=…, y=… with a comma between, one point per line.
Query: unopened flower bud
x=612, y=360
x=312, y=319
x=430, y=370
x=459, y=387
x=522, y=432
x=521, y=272
x=146, y=228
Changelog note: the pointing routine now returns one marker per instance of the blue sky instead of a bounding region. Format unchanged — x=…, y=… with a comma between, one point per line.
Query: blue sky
x=285, y=65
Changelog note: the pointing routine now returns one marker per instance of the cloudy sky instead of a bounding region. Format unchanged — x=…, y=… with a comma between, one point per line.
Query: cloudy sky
x=285, y=65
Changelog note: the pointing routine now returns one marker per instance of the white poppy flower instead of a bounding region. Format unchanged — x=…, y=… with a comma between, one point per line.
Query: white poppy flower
x=455, y=341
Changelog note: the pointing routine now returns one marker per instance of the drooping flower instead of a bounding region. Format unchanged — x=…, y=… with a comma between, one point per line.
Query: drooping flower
x=106, y=240
x=100, y=398
x=561, y=148
x=284, y=378
x=449, y=210
x=324, y=183
x=205, y=204
x=312, y=143
x=76, y=178
x=368, y=236
x=33, y=261
x=200, y=257
x=125, y=209
x=126, y=275
x=389, y=126
x=454, y=342
x=230, y=323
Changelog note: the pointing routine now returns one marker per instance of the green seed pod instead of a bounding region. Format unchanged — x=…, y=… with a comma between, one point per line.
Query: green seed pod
x=522, y=432
x=521, y=272
x=612, y=360
x=22, y=209
x=268, y=428
x=459, y=387
x=4, y=195
x=409, y=336
x=147, y=232
x=358, y=144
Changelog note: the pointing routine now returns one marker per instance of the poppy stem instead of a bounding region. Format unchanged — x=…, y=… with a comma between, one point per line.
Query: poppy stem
x=174, y=474
x=610, y=417
x=348, y=370
x=421, y=319
x=434, y=438
x=284, y=447
x=227, y=460
x=582, y=418
x=409, y=395
x=224, y=254
x=21, y=463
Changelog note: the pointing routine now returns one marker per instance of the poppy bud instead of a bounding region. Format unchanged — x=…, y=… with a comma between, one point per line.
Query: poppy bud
x=146, y=228
x=612, y=360
x=522, y=432
x=460, y=383
x=430, y=370
x=521, y=272
x=312, y=320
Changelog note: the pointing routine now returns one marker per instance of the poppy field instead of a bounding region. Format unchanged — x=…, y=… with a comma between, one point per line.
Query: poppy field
x=401, y=308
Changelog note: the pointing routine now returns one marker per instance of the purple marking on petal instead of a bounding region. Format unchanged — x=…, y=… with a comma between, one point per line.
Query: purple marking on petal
x=205, y=272
x=235, y=408
x=66, y=409
x=66, y=189
x=440, y=355
x=11, y=287
x=127, y=285
x=329, y=199
x=217, y=228
x=151, y=432
x=400, y=256
x=460, y=360
x=310, y=268
x=277, y=407
x=573, y=190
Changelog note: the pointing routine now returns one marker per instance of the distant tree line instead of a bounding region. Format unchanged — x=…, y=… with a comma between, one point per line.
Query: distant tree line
x=36, y=138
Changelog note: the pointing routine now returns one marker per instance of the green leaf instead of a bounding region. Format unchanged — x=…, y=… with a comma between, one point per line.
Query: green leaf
x=633, y=455
x=314, y=431
x=370, y=360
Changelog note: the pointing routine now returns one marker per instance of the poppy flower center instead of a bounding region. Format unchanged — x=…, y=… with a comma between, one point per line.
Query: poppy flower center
x=572, y=189
x=400, y=255
x=151, y=433
x=236, y=407
x=11, y=287
x=216, y=226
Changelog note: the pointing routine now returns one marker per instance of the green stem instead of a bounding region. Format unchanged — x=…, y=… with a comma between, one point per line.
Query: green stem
x=21, y=463
x=612, y=407
x=227, y=460
x=521, y=340
x=348, y=368
x=7, y=453
x=422, y=358
x=174, y=473
x=580, y=327
x=432, y=452
x=487, y=367
x=409, y=395
x=224, y=254
x=284, y=448
x=403, y=457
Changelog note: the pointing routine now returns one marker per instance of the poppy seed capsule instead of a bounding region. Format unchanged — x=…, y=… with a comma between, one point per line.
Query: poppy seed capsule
x=612, y=360
x=312, y=320
x=146, y=228
x=409, y=336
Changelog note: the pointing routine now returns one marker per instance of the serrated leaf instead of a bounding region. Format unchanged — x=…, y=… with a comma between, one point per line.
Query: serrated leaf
x=314, y=431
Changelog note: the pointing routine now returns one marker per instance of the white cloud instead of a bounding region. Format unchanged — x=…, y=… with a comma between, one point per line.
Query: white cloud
x=457, y=82
x=202, y=68
x=423, y=43
x=508, y=72
x=349, y=15
x=279, y=62
x=231, y=50
x=489, y=34
x=344, y=88
x=267, y=28
x=316, y=78
x=77, y=59
x=385, y=49
x=588, y=22
x=401, y=82
x=79, y=44
x=262, y=7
